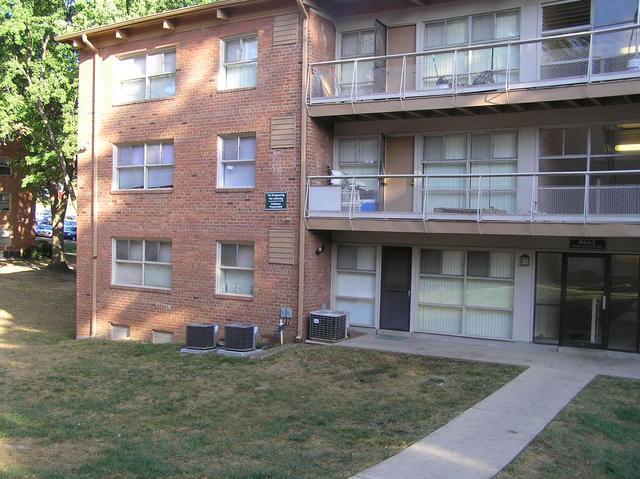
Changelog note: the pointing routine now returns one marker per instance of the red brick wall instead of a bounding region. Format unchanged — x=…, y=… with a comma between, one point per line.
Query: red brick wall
x=196, y=214
x=319, y=158
x=23, y=206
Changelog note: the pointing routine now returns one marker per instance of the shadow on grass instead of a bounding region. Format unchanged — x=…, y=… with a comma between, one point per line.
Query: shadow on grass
x=38, y=304
x=77, y=409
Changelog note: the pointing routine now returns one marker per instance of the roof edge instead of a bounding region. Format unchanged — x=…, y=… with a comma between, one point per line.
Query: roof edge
x=216, y=5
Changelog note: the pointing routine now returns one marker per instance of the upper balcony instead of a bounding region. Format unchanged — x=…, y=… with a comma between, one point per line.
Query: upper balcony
x=560, y=203
x=526, y=73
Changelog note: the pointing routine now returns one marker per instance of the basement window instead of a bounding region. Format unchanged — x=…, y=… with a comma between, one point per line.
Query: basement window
x=120, y=333
x=161, y=337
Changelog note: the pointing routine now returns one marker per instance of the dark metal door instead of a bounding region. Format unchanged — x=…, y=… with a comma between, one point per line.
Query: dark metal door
x=395, y=294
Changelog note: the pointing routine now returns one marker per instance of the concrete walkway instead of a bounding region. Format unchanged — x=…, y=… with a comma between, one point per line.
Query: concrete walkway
x=487, y=437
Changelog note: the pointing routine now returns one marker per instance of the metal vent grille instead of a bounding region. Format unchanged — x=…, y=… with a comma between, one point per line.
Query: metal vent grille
x=240, y=337
x=202, y=336
x=285, y=29
x=327, y=325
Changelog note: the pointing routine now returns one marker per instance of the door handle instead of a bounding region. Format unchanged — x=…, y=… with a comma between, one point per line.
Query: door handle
x=409, y=293
x=604, y=302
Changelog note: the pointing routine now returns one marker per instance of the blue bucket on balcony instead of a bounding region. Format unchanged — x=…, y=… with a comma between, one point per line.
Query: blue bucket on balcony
x=368, y=206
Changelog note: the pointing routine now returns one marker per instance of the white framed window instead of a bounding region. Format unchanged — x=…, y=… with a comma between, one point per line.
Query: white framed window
x=5, y=201
x=355, y=283
x=235, y=269
x=143, y=166
x=237, y=161
x=477, y=67
x=240, y=62
x=467, y=293
x=471, y=153
x=145, y=263
x=5, y=235
x=147, y=77
x=5, y=167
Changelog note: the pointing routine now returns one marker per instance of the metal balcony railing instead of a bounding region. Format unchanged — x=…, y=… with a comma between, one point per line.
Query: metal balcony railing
x=573, y=58
x=551, y=197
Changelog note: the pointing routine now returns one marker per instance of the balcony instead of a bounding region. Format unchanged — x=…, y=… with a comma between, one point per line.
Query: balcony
x=585, y=65
x=598, y=203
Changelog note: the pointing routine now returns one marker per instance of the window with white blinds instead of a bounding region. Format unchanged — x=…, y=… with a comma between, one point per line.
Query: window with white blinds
x=355, y=286
x=468, y=293
x=471, y=153
x=240, y=62
x=145, y=166
x=354, y=45
x=142, y=263
x=477, y=67
x=147, y=77
x=361, y=156
x=235, y=269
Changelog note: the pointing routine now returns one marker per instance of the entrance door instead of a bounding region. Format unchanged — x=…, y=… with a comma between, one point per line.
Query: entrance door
x=398, y=160
x=395, y=294
x=584, y=301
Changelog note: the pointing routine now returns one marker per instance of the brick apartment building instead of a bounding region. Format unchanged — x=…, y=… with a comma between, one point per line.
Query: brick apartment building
x=17, y=206
x=459, y=168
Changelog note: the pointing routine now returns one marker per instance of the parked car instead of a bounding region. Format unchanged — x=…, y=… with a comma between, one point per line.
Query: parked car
x=71, y=232
x=44, y=230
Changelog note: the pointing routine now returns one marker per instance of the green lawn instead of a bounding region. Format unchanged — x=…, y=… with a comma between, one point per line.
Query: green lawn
x=92, y=409
x=596, y=436
x=70, y=246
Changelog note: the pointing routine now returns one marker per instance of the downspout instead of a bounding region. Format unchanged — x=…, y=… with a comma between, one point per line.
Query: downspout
x=303, y=168
x=94, y=194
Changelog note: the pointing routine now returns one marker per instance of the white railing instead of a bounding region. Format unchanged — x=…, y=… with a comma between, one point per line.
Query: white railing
x=553, y=197
x=574, y=58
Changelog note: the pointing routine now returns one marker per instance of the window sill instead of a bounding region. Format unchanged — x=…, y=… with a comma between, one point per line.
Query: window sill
x=233, y=297
x=244, y=88
x=150, y=100
x=157, y=191
x=143, y=289
x=234, y=190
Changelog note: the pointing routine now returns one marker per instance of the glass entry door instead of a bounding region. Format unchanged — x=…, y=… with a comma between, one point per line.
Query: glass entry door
x=584, y=301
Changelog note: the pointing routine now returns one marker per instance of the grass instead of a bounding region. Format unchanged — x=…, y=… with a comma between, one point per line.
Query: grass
x=98, y=409
x=70, y=246
x=596, y=436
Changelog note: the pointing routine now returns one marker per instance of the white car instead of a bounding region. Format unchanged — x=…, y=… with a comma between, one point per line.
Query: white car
x=44, y=230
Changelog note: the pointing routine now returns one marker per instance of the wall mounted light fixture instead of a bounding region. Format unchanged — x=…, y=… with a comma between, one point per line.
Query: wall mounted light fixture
x=525, y=260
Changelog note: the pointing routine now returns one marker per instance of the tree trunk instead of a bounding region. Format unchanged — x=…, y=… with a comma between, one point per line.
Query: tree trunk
x=58, y=213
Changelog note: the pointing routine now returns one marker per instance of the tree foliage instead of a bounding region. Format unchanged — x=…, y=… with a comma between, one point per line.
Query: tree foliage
x=39, y=89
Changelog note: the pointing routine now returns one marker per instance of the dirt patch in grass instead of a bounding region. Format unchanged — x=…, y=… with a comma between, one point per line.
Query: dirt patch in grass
x=123, y=410
x=597, y=435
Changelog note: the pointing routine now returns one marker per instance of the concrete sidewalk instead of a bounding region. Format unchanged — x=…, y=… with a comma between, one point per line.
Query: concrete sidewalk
x=487, y=437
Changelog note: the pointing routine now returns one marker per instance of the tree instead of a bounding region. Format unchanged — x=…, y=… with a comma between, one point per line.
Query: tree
x=38, y=102
x=39, y=90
